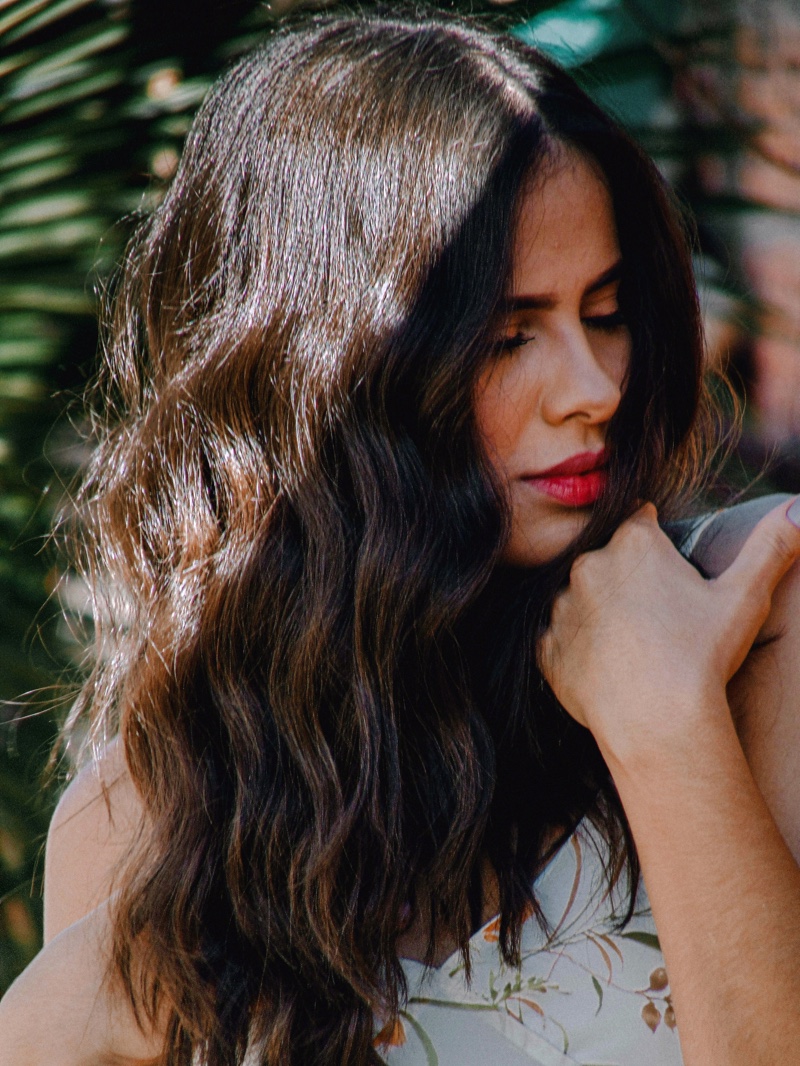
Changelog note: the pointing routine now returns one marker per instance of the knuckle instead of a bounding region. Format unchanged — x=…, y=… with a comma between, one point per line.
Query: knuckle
x=558, y=614
x=782, y=542
x=582, y=580
x=578, y=567
x=545, y=651
x=637, y=537
x=589, y=564
x=646, y=516
x=642, y=533
x=754, y=600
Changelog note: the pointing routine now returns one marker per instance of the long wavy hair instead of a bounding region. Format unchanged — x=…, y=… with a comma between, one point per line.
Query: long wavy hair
x=323, y=676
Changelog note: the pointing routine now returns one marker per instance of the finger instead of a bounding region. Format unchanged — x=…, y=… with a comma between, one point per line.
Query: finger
x=646, y=512
x=766, y=555
x=545, y=653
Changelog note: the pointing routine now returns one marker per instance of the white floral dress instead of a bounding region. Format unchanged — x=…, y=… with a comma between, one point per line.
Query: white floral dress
x=586, y=994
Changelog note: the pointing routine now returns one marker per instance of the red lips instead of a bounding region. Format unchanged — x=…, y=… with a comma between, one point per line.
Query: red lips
x=577, y=482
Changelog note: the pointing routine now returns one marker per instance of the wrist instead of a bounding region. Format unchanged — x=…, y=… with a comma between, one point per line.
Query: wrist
x=679, y=736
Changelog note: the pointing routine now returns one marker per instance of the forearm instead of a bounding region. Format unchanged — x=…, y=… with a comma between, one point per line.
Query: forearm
x=725, y=893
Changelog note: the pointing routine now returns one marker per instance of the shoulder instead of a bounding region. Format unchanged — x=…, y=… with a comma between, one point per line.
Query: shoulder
x=715, y=540
x=96, y=821
x=763, y=694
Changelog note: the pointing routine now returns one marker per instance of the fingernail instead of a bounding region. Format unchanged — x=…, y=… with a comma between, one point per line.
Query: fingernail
x=793, y=513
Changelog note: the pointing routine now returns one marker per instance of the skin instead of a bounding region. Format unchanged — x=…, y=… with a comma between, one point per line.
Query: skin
x=556, y=384
x=641, y=651
x=700, y=732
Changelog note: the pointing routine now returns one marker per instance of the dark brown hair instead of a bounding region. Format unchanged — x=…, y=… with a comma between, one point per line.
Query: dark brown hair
x=325, y=684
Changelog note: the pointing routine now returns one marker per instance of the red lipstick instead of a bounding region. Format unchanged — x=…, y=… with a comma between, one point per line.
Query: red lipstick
x=577, y=482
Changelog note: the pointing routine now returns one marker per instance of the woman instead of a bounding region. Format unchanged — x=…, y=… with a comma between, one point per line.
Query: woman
x=398, y=375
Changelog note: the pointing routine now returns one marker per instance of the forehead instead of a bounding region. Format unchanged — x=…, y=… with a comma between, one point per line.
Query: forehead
x=566, y=230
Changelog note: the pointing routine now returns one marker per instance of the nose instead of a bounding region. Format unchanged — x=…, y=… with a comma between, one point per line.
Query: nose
x=586, y=372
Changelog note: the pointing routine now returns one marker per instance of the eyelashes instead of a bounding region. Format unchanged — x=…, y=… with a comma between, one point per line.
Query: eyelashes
x=604, y=323
x=510, y=344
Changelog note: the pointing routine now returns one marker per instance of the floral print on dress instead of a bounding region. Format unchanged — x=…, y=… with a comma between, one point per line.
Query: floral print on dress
x=586, y=992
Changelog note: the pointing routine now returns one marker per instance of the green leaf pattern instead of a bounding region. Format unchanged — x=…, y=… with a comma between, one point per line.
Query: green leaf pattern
x=586, y=992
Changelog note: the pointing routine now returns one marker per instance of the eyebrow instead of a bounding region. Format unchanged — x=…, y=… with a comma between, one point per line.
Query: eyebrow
x=544, y=301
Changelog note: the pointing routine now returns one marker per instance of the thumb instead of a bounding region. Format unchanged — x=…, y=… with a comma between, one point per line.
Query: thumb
x=763, y=559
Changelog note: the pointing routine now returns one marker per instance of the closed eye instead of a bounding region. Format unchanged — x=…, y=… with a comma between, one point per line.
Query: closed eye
x=608, y=322
x=518, y=340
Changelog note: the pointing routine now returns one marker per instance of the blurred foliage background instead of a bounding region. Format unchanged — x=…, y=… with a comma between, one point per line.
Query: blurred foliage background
x=95, y=99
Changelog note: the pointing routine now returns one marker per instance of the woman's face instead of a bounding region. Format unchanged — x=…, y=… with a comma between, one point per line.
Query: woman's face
x=544, y=402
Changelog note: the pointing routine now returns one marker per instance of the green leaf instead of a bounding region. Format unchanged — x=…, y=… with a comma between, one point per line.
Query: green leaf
x=19, y=387
x=599, y=990
x=29, y=177
x=33, y=211
x=453, y=1004
x=577, y=31
x=61, y=236
x=34, y=15
x=19, y=12
x=650, y=940
x=26, y=352
x=89, y=42
x=64, y=94
x=431, y=1057
x=22, y=155
x=56, y=300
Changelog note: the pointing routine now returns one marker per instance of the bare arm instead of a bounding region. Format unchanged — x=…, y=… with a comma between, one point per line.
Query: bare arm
x=764, y=695
x=94, y=825
x=641, y=650
x=67, y=1008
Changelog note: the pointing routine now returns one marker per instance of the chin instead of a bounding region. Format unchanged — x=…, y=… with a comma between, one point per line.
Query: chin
x=538, y=543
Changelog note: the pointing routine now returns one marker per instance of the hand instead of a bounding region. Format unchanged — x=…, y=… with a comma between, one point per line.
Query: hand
x=639, y=642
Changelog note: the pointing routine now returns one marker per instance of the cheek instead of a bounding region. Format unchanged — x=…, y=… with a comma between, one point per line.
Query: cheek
x=499, y=410
x=617, y=358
